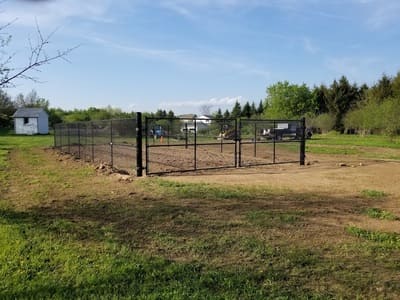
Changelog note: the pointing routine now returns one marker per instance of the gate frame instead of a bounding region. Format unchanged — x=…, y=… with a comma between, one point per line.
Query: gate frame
x=195, y=144
x=274, y=141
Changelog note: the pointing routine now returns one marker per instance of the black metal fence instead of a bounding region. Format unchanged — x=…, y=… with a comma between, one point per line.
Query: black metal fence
x=183, y=144
x=110, y=142
x=179, y=145
x=264, y=142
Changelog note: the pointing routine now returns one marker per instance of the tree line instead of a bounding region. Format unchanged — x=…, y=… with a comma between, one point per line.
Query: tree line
x=341, y=106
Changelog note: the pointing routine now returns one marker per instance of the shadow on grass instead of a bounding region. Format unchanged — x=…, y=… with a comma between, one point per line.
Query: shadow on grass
x=124, y=229
x=115, y=271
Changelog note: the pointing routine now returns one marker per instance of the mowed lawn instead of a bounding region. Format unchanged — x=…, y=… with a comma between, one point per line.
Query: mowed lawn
x=68, y=232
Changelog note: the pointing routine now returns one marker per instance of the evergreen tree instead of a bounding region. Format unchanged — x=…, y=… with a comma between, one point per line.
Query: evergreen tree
x=218, y=114
x=246, y=111
x=253, y=109
x=236, y=111
x=382, y=89
x=227, y=114
x=341, y=98
x=260, y=108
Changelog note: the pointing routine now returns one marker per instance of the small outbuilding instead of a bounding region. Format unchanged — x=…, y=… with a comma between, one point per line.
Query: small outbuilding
x=31, y=121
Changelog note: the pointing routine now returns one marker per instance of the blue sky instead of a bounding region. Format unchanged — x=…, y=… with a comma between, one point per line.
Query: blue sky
x=182, y=55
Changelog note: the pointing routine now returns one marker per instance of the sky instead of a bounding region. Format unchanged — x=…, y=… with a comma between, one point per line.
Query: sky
x=191, y=56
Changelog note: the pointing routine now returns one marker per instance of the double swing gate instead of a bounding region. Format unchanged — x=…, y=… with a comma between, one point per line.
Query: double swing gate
x=166, y=145
x=182, y=145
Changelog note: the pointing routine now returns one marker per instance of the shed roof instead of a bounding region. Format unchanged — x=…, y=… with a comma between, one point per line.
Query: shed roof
x=28, y=112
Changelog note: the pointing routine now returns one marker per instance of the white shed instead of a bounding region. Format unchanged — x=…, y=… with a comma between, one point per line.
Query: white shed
x=31, y=121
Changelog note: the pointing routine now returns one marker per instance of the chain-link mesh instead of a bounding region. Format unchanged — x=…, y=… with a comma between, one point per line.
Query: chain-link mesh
x=110, y=142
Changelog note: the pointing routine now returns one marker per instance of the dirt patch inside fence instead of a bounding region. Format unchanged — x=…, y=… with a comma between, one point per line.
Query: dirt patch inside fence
x=330, y=174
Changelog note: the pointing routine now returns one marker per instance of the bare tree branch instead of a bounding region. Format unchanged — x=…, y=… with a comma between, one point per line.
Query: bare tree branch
x=36, y=58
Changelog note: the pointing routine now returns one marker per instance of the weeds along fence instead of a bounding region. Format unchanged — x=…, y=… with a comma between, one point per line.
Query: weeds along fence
x=166, y=145
x=112, y=143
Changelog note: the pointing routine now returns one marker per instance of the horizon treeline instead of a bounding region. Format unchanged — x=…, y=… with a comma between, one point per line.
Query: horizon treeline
x=341, y=106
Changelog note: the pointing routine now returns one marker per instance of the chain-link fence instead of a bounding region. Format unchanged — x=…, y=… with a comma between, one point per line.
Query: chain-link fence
x=179, y=144
x=111, y=143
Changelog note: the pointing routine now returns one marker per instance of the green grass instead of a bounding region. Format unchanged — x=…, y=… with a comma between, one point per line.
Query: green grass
x=365, y=146
x=335, y=139
x=73, y=234
x=380, y=214
x=274, y=218
x=40, y=264
x=374, y=194
x=384, y=239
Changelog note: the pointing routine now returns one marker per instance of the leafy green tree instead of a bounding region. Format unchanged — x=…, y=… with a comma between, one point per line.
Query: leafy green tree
x=285, y=100
x=7, y=109
x=56, y=115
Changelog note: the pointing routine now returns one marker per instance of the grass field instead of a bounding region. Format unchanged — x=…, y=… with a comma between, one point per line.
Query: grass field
x=68, y=232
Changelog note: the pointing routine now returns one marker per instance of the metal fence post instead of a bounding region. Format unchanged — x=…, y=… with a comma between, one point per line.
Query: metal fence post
x=239, y=157
x=303, y=141
x=146, y=129
x=69, y=139
x=111, y=144
x=237, y=140
x=79, y=141
x=92, y=134
x=255, y=139
x=274, y=138
x=186, y=136
x=139, y=146
x=195, y=144
x=55, y=133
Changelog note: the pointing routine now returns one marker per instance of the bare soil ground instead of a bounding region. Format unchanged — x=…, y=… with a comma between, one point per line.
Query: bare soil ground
x=336, y=175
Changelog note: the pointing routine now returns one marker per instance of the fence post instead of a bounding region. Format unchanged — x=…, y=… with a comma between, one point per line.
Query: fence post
x=195, y=144
x=79, y=141
x=255, y=139
x=139, y=146
x=55, y=133
x=186, y=136
x=92, y=136
x=69, y=139
x=237, y=140
x=274, y=146
x=111, y=144
x=303, y=141
x=146, y=129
